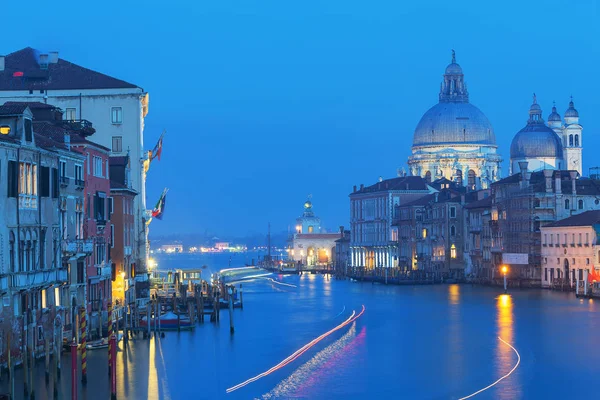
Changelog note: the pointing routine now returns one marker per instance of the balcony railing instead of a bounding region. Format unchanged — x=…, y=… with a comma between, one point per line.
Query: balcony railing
x=78, y=246
x=80, y=183
x=22, y=280
x=64, y=181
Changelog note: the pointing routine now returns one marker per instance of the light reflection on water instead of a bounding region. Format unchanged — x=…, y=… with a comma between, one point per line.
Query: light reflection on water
x=505, y=356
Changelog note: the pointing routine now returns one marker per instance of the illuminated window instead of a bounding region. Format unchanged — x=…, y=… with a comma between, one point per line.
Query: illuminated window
x=453, y=251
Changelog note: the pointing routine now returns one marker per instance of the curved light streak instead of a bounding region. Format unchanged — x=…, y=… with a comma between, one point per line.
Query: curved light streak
x=341, y=312
x=501, y=378
x=353, y=317
x=281, y=283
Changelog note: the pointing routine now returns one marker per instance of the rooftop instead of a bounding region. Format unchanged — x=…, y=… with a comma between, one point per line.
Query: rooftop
x=588, y=218
x=23, y=71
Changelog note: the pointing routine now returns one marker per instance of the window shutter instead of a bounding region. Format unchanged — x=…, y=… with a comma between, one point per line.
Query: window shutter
x=44, y=182
x=13, y=179
x=55, y=183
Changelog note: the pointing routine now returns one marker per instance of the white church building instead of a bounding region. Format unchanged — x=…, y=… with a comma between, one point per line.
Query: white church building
x=556, y=145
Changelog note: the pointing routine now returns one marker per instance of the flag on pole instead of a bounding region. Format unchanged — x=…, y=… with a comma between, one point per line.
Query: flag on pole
x=159, y=209
x=157, y=150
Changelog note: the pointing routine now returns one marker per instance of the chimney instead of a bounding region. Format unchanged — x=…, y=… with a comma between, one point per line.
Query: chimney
x=1, y=63
x=53, y=57
x=354, y=189
x=524, y=175
x=557, y=183
x=573, y=175
x=43, y=61
x=68, y=141
x=548, y=176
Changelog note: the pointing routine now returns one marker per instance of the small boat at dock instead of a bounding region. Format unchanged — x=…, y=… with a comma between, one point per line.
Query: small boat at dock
x=169, y=321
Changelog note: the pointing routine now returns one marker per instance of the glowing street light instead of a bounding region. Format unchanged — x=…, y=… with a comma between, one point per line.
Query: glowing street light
x=504, y=271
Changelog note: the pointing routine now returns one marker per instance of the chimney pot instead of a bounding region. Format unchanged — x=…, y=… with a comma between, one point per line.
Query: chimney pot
x=53, y=57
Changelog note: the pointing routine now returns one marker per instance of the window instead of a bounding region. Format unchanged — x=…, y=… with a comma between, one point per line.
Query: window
x=452, y=212
x=116, y=115
x=28, y=131
x=63, y=169
x=71, y=114
x=28, y=185
x=117, y=144
x=567, y=204
x=580, y=204
x=97, y=166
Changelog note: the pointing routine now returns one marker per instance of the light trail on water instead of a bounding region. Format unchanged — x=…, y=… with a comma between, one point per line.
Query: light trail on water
x=501, y=378
x=353, y=317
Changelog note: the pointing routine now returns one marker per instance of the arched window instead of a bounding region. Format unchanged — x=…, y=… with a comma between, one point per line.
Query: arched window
x=428, y=176
x=576, y=140
x=570, y=140
x=471, y=178
x=567, y=204
x=459, y=178
x=452, y=230
x=11, y=251
x=580, y=204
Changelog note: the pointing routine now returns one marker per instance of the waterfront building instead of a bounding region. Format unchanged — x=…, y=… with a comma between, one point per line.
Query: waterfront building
x=454, y=139
x=523, y=203
x=374, y=237
x=553, y=146
x=431, y=233
x=570, y=250
x=310, y=245
x=478, y=243
x=122, y=228
x=33, y=278
x=116, y=107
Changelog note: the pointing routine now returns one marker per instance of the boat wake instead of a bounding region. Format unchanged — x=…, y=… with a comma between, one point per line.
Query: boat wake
x=501, y=378
x=293, y=382
x=353, y=317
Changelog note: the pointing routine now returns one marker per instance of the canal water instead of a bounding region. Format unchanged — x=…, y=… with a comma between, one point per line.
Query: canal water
x=412, y=342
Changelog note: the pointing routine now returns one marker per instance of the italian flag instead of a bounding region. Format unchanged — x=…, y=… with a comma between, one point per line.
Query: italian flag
x=159, y=209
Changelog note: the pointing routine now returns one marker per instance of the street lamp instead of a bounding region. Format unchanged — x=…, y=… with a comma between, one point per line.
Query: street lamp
x=504, y=271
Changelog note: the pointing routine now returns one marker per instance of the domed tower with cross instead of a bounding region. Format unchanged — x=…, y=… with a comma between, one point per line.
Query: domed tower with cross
x=454, y=139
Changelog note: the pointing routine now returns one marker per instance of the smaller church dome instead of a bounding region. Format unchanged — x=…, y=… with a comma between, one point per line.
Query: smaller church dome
x=536, y=139
x=571, y=111
x=554, y=116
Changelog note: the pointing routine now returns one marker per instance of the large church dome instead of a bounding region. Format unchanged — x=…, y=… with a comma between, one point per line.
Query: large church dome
x=536, y=139
x=454, y=121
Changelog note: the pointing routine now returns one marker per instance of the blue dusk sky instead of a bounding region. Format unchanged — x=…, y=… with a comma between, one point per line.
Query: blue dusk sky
x=266, y=101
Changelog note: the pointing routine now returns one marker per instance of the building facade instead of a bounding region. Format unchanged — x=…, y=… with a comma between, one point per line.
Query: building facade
x=122, y=228
x=454, y=139
x=374, y=236
x=570, y=250
x=116, y=107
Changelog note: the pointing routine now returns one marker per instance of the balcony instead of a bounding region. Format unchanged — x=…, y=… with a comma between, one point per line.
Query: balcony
x=79, y=184
x=39, y=278
x=78, y=246
x=64, y=181
x=127, y=250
